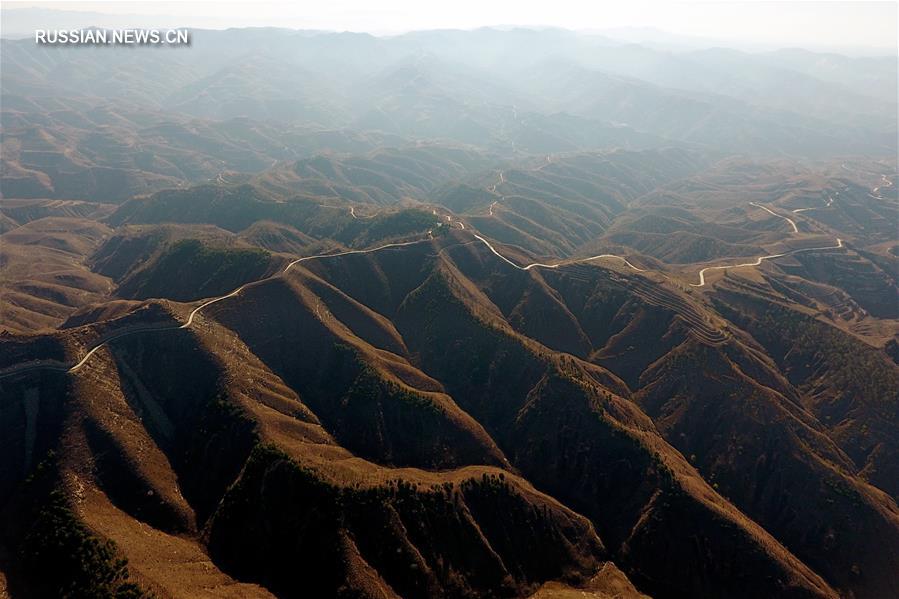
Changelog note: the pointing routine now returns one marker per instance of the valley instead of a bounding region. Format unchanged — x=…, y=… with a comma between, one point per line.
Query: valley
x=487, y=313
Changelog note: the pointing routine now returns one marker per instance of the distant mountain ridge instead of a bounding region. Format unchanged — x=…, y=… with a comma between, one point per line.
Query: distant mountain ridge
x=496, y=313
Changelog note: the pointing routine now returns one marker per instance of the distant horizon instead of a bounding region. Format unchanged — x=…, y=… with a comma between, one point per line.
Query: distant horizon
x=866, y=28
x=382, y=299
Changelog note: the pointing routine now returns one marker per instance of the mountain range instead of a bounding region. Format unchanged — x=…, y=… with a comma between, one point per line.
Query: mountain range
x=522, y=313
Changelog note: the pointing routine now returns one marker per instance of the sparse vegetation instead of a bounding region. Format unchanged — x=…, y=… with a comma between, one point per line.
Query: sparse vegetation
x=490, y=369
x=190, y=269
x=64, y=559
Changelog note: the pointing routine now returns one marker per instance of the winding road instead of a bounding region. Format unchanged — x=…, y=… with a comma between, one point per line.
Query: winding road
x=760, y=259
x=192, y=315
x=827, y=205
x=190, y=318
x=357, y=217
x=702, y=272
x=557, y=265
x=769, y=211
x=876, y=190
x=493, y=190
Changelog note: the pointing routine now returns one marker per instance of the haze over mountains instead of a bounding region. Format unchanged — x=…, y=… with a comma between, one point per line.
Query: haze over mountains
x=492, y=313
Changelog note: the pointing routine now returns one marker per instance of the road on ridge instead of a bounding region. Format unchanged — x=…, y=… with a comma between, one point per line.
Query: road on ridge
x=769, y=211
x=557, y=265
x=826, y=205
x=760, y=259
x=192, y=315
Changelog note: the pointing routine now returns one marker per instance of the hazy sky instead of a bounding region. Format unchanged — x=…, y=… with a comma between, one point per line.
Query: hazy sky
x=808, y=24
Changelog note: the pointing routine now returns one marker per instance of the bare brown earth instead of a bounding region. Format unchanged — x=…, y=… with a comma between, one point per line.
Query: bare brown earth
x=499, y=313
x=426, y=419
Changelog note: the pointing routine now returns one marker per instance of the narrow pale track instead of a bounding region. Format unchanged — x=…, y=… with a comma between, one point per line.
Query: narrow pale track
x=558, y=264
x=761, y=259
x=826, y=205
x=769, y=211
x=190, y=318
x=704, y=331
